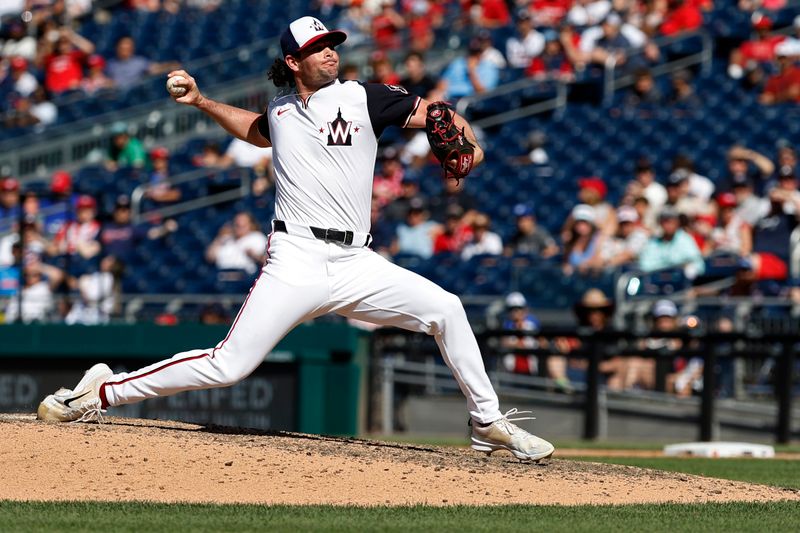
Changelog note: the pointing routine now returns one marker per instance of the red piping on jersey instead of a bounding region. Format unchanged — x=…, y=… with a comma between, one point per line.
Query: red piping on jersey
x=103, y=398
x=413, y=111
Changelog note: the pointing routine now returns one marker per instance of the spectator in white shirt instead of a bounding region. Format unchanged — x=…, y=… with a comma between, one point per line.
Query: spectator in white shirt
x=526, y=44
x=18, y=43
x=624, y=247
x=488, y=51
x=239, y=245
x=483, y=241
x=588, y=12
x=24, y=82
x=645, y=185
x=243, y=154
x=99, y=293
x=42, y=108
x=699, y=186
x=37, y=297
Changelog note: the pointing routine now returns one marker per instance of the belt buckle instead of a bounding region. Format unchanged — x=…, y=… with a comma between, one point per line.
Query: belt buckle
x=328, y=237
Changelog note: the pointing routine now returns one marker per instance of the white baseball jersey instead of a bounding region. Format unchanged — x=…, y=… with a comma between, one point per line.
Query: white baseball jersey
x=324, y=150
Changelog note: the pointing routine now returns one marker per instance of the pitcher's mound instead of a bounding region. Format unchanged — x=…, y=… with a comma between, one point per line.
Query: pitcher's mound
x=173, y=462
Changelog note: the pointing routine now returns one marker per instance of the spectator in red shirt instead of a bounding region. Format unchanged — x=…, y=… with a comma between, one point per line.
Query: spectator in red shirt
x=455, y=234
x=756, y=51
x=386, y=27
x=492, y=14
x=383, y=71
x=549, y=12
x=785, y=85
x=96, y=80
x=422, y=17
x=553, y=62
x=81, y=235
x=387, y=184
x=64, y=63
x=682, y=16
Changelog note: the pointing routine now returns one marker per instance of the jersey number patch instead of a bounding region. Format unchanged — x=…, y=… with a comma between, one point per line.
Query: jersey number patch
x=396, y=88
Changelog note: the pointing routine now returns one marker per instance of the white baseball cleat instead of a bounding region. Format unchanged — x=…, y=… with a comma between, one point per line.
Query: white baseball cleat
x=81, y=404
x=502, y=434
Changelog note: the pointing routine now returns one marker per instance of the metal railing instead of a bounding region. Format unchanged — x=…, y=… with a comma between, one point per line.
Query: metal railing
x=139, y=193
x=70, y=146
x=592, y=397
x=611, y=83
x=162, y=122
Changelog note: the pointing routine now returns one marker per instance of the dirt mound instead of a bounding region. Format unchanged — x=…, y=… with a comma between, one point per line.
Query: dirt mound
x=165, y=461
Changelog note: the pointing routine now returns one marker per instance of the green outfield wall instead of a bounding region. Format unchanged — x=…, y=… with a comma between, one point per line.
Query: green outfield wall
x=311, y=382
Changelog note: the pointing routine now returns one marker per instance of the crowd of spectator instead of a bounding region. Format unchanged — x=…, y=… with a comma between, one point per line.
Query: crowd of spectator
x=767, y=62
x=564, y=359
x=43, y=55
x=672, y=221
x=65, y=246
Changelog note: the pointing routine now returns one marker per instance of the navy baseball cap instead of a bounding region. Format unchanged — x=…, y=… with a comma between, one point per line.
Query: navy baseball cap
x=304, y=32
x=523, y=210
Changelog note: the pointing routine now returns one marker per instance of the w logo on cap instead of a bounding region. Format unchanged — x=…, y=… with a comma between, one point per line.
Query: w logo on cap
x=304, y=32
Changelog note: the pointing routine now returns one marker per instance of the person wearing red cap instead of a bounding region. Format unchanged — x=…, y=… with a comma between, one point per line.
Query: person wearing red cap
x=24, y=82
x=9, y=203
x=159, y=189
x=592, y=191
x=79, y=236
x=757, y=51
x=732, y=234
x=96, y=79
x=60, y=205
x=324, y=135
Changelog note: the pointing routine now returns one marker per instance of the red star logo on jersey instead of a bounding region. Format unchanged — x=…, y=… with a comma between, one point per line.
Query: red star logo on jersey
x=322, y=130
x=355, y=130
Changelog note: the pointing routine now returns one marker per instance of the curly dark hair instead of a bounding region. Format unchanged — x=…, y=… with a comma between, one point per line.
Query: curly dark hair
x=280, y=74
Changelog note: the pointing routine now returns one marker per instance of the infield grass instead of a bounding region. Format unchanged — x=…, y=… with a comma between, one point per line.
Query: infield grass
x=156, y=518
x=779, y=472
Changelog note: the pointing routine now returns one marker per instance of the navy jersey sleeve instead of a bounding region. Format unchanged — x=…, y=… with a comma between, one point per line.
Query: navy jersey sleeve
x=389, y=105
x=263, y=125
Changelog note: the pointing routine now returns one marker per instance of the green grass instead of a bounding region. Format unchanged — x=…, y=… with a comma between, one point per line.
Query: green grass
x=155, y=518
x=433, y=440
x=778, y=472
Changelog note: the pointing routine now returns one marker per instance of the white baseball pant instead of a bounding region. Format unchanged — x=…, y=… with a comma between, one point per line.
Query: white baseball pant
x=304, y=278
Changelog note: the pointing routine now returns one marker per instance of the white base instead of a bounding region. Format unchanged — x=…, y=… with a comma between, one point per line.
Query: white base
x=720, y=449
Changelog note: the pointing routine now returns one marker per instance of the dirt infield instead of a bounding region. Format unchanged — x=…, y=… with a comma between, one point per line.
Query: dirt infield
x=170, y=462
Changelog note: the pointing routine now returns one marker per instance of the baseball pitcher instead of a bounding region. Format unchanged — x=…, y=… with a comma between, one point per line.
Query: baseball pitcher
x=324, y=135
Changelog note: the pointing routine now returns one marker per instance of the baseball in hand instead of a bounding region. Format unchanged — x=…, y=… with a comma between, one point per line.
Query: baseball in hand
x=176, y=90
